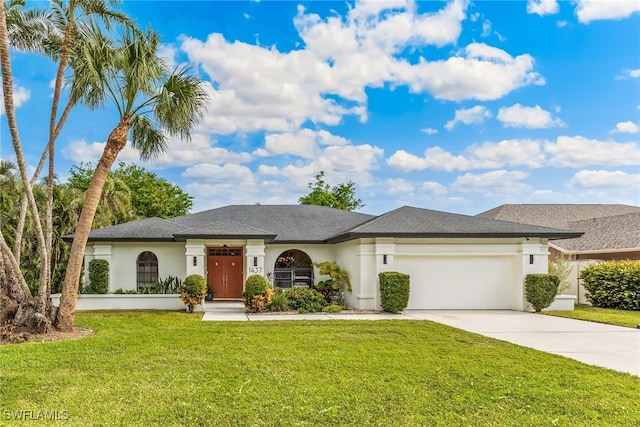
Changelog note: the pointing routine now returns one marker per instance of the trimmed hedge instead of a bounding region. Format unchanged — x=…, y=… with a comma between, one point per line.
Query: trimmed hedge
x=613, y=284
x=98, y=276
x=540, y=290
x=394, y=291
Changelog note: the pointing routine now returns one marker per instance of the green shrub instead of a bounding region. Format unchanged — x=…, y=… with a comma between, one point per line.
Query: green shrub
x=339, y=278
x=561, y=267
x=257, y=293
x=98, y=276
x=394, y=291
x=192, y=291
x=613, y=284
x=333, y=308
x=305, y=300
x=279, y=302
x=170, y=285
x=540, y=290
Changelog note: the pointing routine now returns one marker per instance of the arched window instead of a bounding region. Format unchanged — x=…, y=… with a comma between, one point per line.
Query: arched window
x=293, y=269
x=147, y=270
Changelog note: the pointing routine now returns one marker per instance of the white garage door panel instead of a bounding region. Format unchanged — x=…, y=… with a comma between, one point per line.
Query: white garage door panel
x=462, y=282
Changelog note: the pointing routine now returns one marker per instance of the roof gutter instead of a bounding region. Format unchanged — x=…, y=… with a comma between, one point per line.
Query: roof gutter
x=592, y=251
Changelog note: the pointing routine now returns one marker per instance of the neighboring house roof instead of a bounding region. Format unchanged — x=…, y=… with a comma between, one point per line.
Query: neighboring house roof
x=618, y=232
x=606, y=228
x=317, y=224
x=555, y=215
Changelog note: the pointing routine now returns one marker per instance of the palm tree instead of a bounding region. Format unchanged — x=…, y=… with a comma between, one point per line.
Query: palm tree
x=56, y=33
x=115, y=205
x=153, y=104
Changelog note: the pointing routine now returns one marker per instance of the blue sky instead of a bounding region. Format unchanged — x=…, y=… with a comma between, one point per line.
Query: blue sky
x=458, y=106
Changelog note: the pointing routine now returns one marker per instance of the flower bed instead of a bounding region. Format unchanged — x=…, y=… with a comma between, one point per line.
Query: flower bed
x=127, y=302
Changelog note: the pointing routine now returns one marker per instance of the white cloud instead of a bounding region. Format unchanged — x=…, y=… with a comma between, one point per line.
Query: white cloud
x=168, y=53
x=602, y=178
x=340, y=163
x=578, y=151
x=20, y=96
x=629, y=74
x=626, y=127
x=482, y=72
x=434, y=158
x=592, y=10
x=268, y=170
x=498, y=182
x=257, y=88
x=179, y=153
x=81, y=151
x=529, y=117
x=486, y=28
x=429, y=131
x=542, y=7
x=434, y=188
x=213, y=185
x=510, y=152
x=302, y=143
x=561, y=24
x=396, y=186
x=474, y=115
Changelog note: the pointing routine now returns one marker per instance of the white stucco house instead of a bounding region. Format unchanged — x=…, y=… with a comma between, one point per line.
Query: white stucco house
x=455, y=261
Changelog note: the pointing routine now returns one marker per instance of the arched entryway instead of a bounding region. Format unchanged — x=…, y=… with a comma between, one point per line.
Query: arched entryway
x=293, y=268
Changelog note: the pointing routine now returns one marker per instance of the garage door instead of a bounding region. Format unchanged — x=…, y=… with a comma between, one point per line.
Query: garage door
x=464, y=282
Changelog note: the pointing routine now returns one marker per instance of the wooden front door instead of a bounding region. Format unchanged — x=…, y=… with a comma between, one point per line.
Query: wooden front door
x=224, y=272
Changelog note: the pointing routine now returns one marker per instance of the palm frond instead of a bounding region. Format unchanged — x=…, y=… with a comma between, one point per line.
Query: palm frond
x=29, y=30
x=180, y=105
x=148, y=139
x=92, y=67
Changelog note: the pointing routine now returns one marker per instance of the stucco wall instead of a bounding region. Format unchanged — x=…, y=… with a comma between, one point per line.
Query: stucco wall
x=123, y=257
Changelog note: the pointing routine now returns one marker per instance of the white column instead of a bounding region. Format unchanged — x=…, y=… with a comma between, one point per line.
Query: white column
x=385, y=252
x=254, y=253
x=196, y=259
x=535, y=259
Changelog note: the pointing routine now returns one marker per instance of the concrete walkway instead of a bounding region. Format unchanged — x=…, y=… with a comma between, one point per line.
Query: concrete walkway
x=607, y=346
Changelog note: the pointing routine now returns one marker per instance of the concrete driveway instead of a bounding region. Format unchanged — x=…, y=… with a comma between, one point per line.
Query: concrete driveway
x=607, y=346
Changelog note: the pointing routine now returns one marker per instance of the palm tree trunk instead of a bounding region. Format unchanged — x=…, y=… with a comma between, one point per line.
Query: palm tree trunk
x=7, y=88
x=115, y=143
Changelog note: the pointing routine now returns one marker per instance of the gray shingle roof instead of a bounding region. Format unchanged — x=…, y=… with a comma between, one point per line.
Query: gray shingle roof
x=607, y=233
x=555, y=215
x=317, y=224
x=408, y=221
x=143, y=230
x=605, y=227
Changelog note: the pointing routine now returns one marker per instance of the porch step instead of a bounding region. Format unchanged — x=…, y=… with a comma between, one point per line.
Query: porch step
x=227, y=306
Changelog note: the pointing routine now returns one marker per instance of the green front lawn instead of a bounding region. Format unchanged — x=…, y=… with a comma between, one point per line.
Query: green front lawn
x=601, y=315
x=167, y=368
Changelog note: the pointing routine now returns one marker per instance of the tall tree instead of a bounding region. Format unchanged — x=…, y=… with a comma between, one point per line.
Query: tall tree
x=13, y=280
x=153, y=104
x=341, y=196
x=57, y=33
x=151, y=195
